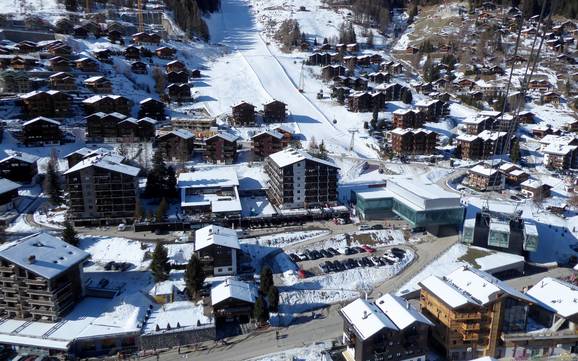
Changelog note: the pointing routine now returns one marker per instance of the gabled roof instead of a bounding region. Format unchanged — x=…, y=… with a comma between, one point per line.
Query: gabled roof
x=41, y=119
x=366, y=318
x=43, y=254
x=400, y=312
x=273, y=133
x=468, y=285
x=226, y=136
x=23, y=157
x=212, y=234
x=181, y=133
x=6, y=185
x=232, y=288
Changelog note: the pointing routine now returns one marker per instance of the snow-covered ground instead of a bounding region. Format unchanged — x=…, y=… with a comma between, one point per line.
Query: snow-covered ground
x=314, y=352
x=440, y=267
x=282, y=240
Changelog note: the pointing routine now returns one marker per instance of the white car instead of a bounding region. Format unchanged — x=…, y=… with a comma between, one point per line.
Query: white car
x=363, y=227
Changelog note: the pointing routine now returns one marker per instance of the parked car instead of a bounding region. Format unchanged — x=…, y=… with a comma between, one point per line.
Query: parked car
x=386, y=261
x=304, y=257
x=323, y=268
x=353, y=263
x=363, y=227
x=350, y=251
x=377, y=226
x=338, y=266
x=359, y=249
x=330, y=266
x=368, y=248
x=316, y=254
x=326, y=253
x=377, y=261
x=294, y=257
x=333, y=251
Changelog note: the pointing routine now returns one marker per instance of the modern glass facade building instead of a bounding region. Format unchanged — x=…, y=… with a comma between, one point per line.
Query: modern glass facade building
x=421, y=205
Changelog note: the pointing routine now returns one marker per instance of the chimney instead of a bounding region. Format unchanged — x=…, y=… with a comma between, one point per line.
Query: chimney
x=31, y=259
x=365, y=315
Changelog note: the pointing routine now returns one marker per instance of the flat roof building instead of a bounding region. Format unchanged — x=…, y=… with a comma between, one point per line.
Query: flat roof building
x=422, y=205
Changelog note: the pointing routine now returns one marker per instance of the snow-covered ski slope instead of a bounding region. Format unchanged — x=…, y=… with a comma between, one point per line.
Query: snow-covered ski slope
x=254, y=72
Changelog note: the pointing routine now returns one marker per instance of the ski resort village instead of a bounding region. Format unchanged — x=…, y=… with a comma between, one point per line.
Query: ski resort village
x=288, y=180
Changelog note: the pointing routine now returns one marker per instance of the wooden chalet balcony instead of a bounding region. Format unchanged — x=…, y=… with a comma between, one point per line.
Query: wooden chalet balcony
x=471, y=337
x=468, y=316
x=36, y=281
x=470, y=326
x=41, y=302
x=6, y=269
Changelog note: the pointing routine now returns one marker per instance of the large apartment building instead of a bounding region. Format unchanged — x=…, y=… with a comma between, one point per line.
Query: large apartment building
x=102, y=190
x=41, y=278
x=411, y=141
x=298, y=179
x=471, y=311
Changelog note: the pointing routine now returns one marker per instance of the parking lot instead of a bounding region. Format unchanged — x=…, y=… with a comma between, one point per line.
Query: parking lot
x=323, y=261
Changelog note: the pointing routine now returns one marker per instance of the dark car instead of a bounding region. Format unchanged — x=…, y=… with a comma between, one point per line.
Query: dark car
x=350, y=251
x=338, y=266
x=359, y=249
x=326, y=253
x=316, y=254
x=352, y=263
x=294, y=257
x=333, y=251
x=377, y=226
x=368, y=262
x=330, y=266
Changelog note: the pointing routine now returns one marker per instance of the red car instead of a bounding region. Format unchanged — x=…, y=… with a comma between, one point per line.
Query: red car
x=368, y=249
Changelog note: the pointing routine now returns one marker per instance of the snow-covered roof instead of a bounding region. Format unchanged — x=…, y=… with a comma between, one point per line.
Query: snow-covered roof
x=210, y=177
x=212, y=234
x=107, y=162
x=483, y=170
x=559, y=295
x=499, y=261
x=468, y=285
x=366, y=318
x=6, y=185
x=95, y=79
x=41, y=119
x=422, y=195
x=232, y=288
x=226, y=136
x=184, y=314
x=559, y=149
x=181, y=133
x=400, y=312
x=43, y=254
x=273, y=133
x=532, y=183
x=24, y=157
x=290, y=156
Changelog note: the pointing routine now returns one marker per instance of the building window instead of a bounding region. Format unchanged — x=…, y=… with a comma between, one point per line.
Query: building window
x=219, y=270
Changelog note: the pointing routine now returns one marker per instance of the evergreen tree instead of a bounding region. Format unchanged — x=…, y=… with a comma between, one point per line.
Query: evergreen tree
x=160, y=263
x=69, y=234
x=406, y=96
x=515, y=152
x=370, y=39
x=194, y=276
x=171, y=183
x=52, y=181
x=138, y=211
x=266, y=280
x=260, y=311
x=162, y=210
x=273, y=299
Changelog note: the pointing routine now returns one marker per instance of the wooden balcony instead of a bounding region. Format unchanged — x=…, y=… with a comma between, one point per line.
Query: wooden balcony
x=467, y=316
x=470, y=326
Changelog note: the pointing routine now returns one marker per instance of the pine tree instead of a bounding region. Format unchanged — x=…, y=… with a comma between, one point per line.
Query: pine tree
x=515, y=152
x=194, y=276
x=160, y=263
x=273, y=299
x=162, y=210
x=52, y=181
x=370, y=39
x=406, y=96
x=266, y=280
x=260, y=311
x=171, y=183
x=69, y=234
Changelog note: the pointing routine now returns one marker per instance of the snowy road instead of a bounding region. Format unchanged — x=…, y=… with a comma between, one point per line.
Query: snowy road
x=253, y=73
